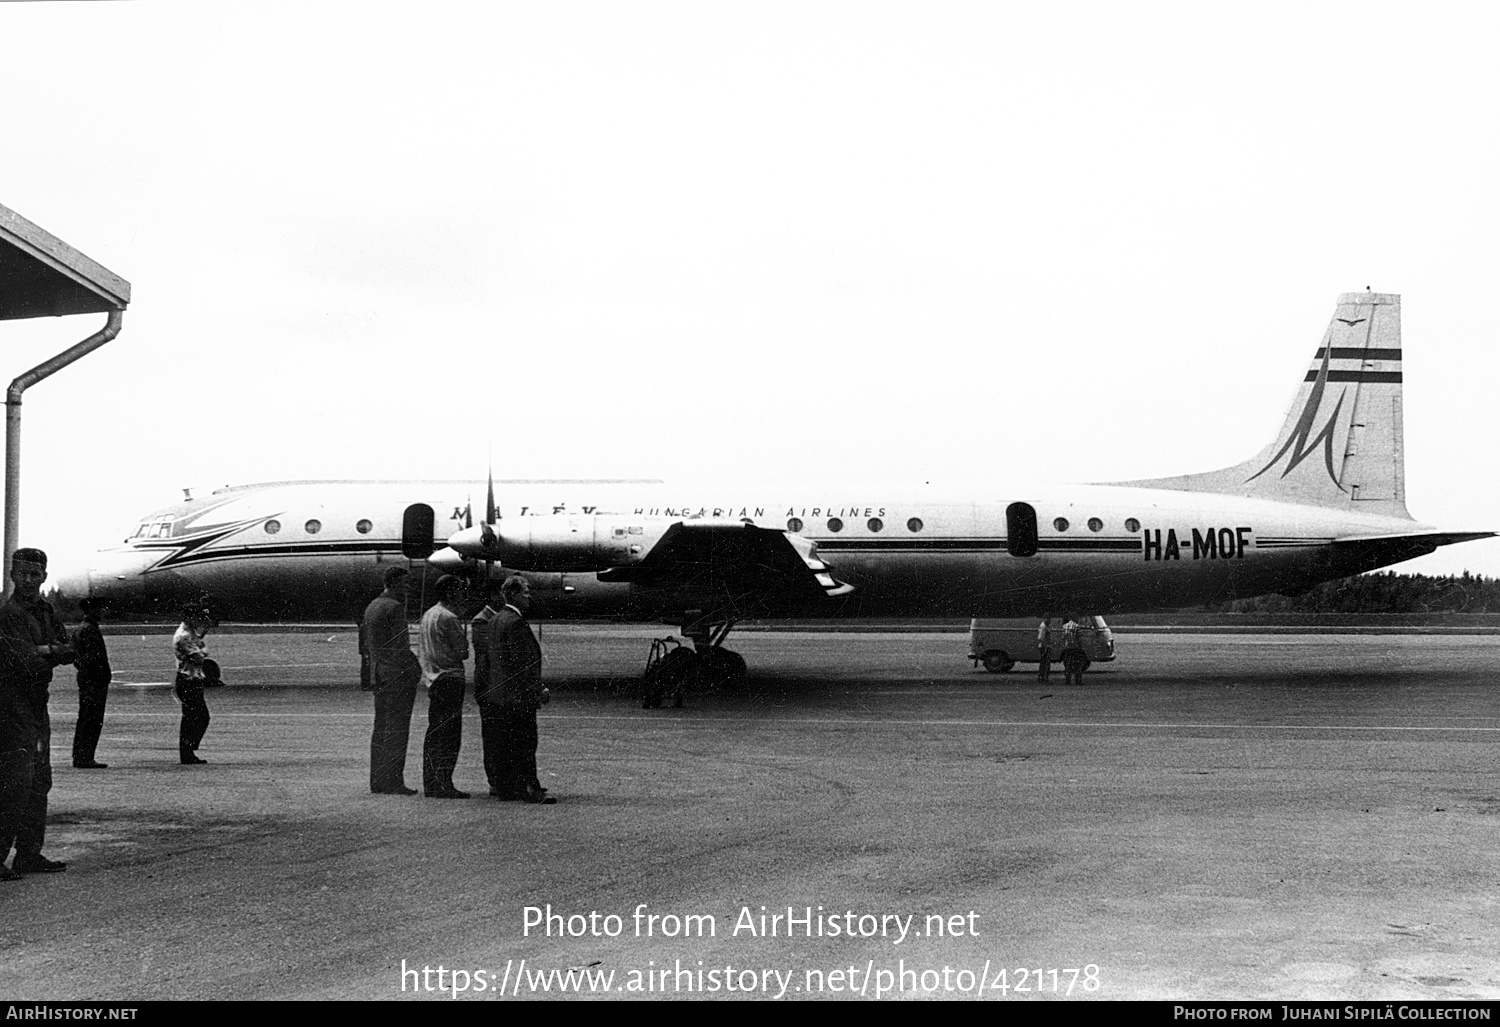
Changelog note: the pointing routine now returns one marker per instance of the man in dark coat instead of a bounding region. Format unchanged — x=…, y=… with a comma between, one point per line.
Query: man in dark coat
x=32, y=642
x=491, y=717
x=514, y=690
x=396, y=673
x=94, y=675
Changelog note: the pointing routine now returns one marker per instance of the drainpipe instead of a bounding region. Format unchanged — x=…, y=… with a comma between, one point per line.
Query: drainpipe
x=13, y=425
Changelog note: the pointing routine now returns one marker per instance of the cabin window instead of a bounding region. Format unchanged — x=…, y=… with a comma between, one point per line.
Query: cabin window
x=875, y=524
x=1131, y=524
x=1020, y=529
x=313, y=526
x=794, y=524
x=915, y=524
x=834, y=524
x=364, y=526
x=1095, y=524
x=272, y=526
x=1061, y=524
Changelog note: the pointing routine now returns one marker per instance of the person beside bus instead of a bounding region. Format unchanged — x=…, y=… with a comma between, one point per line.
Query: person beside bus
x=1073, y=658
x=1044, y=648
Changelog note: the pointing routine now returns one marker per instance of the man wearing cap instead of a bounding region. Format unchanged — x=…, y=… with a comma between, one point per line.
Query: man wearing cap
x=192, y=652
x=395, y=672
x=92, y=666
x=32, y=642
x=442, y=648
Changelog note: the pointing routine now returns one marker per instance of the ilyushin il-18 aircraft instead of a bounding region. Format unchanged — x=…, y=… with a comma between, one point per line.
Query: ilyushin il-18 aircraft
x=1323, y=500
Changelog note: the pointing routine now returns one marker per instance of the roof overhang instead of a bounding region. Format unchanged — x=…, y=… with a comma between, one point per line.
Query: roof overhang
x=42, y=276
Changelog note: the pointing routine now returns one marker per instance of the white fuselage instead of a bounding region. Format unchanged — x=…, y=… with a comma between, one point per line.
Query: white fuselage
x=313, y=550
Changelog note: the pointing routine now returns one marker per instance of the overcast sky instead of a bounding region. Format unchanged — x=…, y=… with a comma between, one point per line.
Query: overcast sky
x=702, y=241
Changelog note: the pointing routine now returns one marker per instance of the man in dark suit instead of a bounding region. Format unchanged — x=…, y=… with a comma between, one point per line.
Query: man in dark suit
x=92, y=665
x=514, y=691
x=396, y=673
x=491, y=717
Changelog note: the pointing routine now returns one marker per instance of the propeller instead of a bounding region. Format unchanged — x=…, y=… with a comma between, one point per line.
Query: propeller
x=491, y=516
x=473, y=541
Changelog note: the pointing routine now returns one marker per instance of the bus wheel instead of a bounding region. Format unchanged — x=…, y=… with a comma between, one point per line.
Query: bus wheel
x=997, y=662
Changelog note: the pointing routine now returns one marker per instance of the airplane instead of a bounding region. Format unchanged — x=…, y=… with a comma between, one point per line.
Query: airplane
x=1324, y=499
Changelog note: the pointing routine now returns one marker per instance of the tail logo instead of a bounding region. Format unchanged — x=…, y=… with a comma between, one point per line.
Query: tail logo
x=1298, y=442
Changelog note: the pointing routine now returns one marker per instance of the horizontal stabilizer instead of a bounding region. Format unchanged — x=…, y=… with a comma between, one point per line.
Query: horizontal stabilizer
x=1359, y=553
x=1433, y=538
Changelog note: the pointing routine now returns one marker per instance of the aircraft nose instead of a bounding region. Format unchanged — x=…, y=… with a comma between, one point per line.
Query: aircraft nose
x=116, y=576
x=73, y=583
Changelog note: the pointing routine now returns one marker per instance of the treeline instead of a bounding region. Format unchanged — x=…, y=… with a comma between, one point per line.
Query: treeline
x=1383, y=592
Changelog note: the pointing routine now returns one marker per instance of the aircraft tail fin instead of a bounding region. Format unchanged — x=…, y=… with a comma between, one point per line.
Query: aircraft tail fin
x=1341, y=443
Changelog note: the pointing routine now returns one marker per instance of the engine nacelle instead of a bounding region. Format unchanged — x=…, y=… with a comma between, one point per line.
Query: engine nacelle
x=562, y=542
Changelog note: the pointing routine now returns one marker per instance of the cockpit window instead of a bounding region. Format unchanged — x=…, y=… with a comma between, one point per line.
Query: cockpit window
x=155, y=529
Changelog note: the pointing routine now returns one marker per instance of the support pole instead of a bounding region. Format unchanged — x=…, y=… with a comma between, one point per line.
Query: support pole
x=13, y=425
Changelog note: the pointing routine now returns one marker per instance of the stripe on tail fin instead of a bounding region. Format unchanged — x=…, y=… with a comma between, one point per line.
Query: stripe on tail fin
x=1341, y=443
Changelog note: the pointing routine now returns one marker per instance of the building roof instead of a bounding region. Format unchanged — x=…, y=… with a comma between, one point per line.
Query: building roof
x=42, y=276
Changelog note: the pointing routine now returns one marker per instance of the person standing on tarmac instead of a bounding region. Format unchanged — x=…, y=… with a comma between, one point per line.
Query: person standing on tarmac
x=516, y=686
x=1044, y=648
x=442, y=649
x=1072, y=656
x=191, y=652
x=18, y=733
x=94, y=675
x=491, y=717
x=32, y=642
x=395, y=673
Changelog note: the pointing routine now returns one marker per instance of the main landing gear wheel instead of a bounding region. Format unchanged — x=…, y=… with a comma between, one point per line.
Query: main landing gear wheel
x=720, y=668
x=673, y=667
x=997, y=662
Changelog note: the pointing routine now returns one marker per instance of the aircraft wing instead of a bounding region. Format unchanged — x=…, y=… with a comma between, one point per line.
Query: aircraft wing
x=742, y=565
